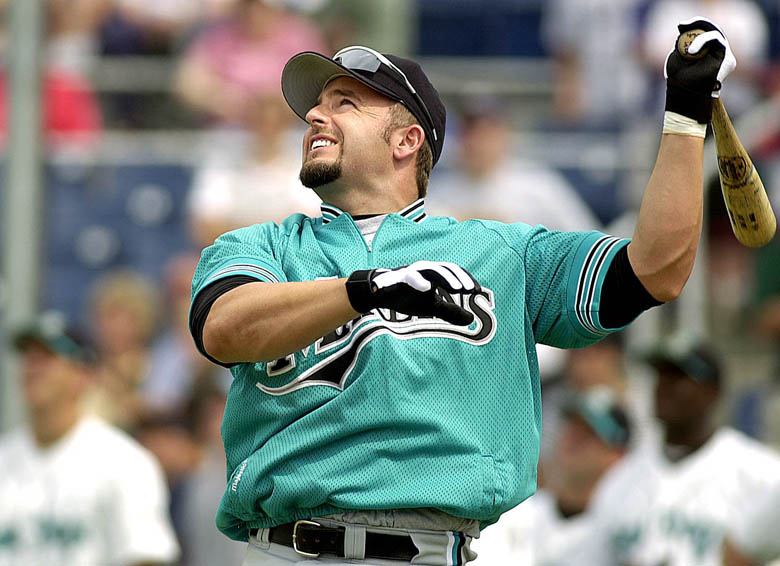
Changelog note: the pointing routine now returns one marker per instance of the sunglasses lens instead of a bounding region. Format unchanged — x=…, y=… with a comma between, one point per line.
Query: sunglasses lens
x=359, y=60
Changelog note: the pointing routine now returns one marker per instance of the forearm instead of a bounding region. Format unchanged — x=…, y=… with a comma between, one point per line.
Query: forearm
x=663, y=248
x=667, y=233
x=260, y=322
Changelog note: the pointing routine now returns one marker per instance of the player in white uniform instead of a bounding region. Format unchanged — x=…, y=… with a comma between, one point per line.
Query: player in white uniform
x=755, y=539
x=674, y=504
x=553, y=526
x=74, y=490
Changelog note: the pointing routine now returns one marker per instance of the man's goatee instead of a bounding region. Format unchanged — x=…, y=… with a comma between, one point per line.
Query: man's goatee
x=316, y=174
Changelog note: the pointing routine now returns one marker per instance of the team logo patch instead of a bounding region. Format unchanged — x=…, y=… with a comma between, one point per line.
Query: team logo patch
x=342, y=346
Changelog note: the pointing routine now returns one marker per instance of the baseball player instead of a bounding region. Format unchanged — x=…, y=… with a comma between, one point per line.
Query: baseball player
x=75, y=491
x=385, y=402
x=674, y=504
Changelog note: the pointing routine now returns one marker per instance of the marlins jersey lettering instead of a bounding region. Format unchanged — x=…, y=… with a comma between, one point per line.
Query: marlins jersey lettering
x=396, y=412
x=95, y=497
x=653, y=512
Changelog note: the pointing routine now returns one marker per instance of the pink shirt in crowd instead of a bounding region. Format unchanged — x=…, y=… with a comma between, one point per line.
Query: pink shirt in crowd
x=251, y=63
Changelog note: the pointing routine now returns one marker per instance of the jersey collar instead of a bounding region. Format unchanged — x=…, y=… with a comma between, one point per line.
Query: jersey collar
x=414, y=212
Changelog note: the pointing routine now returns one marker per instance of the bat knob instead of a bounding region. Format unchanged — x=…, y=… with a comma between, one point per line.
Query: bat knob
x=684, y=42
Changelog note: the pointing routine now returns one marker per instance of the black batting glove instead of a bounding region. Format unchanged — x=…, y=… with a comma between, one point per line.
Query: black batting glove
x=414, y=290
x=691, y=84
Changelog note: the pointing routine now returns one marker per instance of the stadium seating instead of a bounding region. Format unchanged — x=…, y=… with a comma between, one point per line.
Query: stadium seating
x=103, y=217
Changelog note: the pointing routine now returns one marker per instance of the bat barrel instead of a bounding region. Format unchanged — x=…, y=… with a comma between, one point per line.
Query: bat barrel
x=750, y=213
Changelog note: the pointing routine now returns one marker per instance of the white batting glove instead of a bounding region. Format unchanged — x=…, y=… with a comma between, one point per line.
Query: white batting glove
x=691, y=84
x=414, y=289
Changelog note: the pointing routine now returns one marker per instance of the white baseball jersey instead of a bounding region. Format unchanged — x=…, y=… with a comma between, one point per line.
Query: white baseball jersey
x=757, y=534
x=96, y=497
x=653, y=512
x=535, y=533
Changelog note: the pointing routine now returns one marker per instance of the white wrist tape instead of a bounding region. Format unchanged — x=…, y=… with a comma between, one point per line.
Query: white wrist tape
x=678, y=124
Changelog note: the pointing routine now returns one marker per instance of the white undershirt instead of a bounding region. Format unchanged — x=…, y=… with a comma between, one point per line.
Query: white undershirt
x=369, y=226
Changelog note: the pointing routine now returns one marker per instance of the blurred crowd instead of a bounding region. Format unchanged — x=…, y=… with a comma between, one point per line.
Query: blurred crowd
x=609, y=411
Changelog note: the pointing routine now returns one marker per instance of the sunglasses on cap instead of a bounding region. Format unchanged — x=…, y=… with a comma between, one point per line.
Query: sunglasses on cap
x=362, y=58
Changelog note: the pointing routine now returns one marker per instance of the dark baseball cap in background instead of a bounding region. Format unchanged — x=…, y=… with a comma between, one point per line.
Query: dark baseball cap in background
x=692, y=357
x=601, y=409
x=51, y=330
x=306, y=74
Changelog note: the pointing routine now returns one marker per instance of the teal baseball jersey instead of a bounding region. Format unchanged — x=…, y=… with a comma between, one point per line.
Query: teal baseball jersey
x=392, y=411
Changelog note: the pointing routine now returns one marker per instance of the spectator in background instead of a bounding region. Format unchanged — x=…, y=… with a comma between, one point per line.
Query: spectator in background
x=675, y=503
x=228, y=64
x=594, y=43
x=745, y=24
x=600, y=366
x=149, y=27
x=75, y=491
x=552, y=527
x=171, y=440
x=72, y=29
x=175, y=368
x=71, y=111
x=157, y=27
x=123, y=310
x=605, y=364
x=256, y=181
x=487, y=181
x=204, y=544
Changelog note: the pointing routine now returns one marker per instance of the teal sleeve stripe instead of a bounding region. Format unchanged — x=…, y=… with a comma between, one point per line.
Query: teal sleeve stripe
x=593, y=259
x=242, y=266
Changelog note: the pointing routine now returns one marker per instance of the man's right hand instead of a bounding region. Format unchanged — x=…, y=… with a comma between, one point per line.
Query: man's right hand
x=414, y=290
x=691, y=83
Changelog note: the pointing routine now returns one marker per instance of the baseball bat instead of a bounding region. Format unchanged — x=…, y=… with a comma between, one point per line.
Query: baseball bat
x=750, y=213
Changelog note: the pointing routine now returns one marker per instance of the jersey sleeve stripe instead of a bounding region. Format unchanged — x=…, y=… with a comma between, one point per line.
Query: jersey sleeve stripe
x=581, y=282
x=589, y=279
x=243, y=269
x=599, y=265
x=584, y=306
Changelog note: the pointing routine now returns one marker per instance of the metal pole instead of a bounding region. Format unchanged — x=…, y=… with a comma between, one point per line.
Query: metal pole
x=385, y=25
x=23, y=191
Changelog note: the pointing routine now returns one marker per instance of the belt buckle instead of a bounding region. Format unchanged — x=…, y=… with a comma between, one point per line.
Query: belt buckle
x=295, y=538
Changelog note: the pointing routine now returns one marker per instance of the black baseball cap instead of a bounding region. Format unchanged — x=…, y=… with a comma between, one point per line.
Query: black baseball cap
x=694, y=358
x=52, y=331
x=600, y=408
x=306, y=74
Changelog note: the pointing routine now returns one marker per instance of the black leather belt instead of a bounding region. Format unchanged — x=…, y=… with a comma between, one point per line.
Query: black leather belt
x=311, y=539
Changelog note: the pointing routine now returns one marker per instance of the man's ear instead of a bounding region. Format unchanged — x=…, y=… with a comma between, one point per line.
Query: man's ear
x=407, y=141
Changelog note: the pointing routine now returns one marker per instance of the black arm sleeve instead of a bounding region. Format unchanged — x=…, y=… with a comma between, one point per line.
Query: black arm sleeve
x=202, y=305
x=623, y=297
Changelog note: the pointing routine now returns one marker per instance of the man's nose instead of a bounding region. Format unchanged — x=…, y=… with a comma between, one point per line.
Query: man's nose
x=316, y=115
